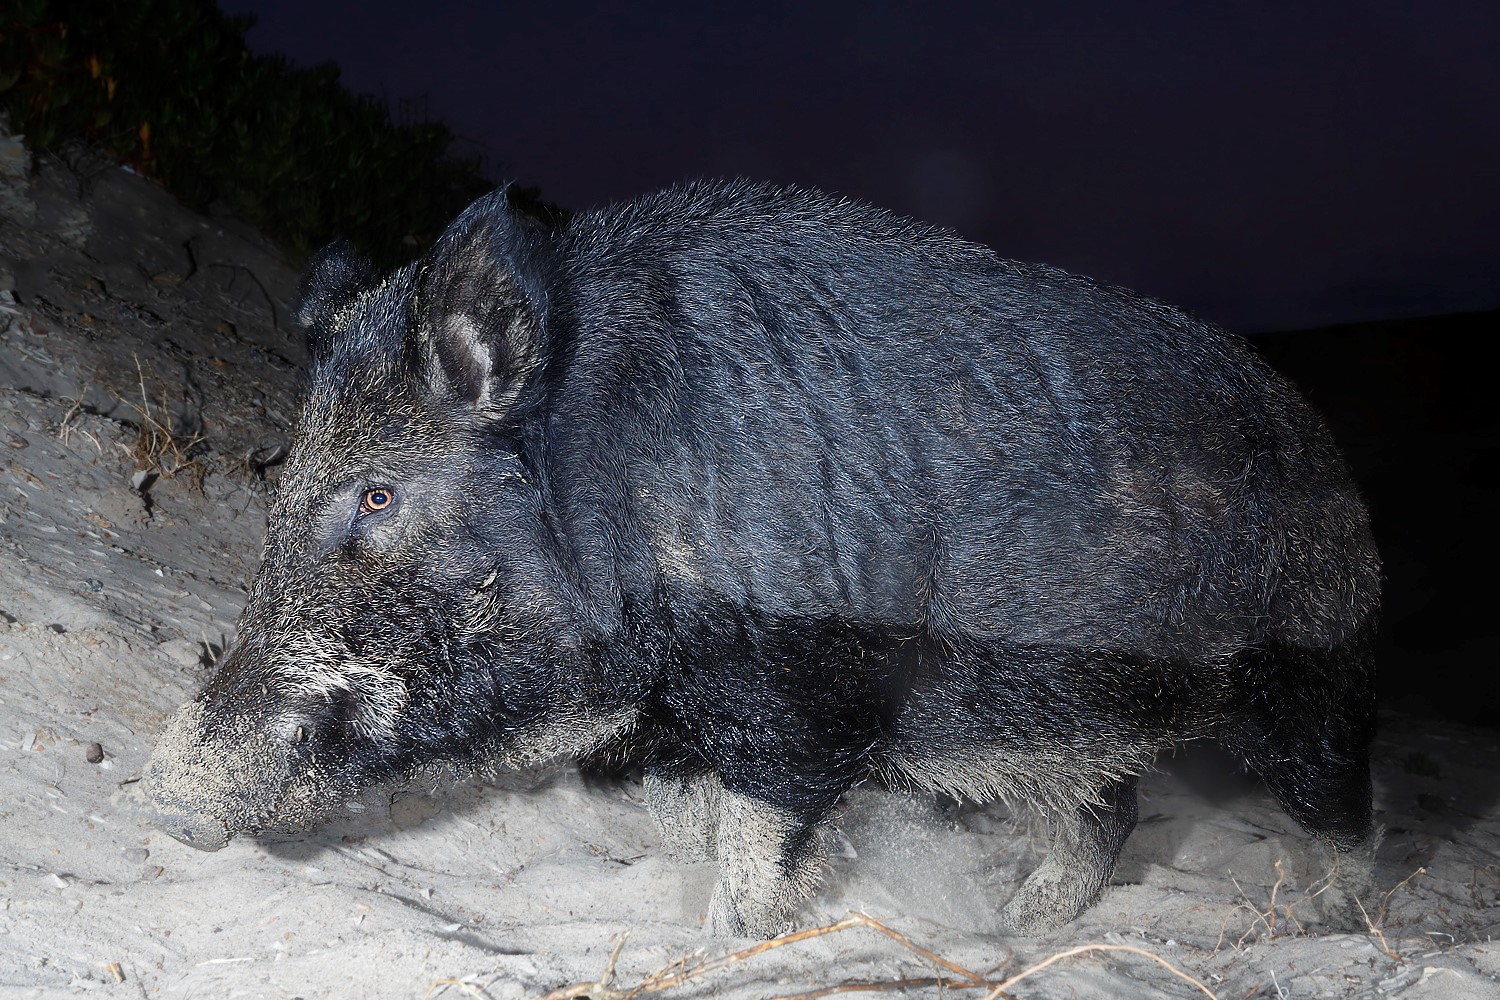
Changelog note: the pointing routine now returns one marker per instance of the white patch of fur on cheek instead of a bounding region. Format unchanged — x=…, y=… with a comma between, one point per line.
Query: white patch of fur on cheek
x=379, y=696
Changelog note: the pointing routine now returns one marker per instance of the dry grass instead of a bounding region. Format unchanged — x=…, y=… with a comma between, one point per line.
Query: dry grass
x=68, y=426
x=1376, y=924
x=1279, y=919
x=160, y=446
x=949, y=975
x=1273, y=920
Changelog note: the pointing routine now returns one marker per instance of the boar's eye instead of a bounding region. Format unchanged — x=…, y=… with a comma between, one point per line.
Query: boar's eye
x=376, y=500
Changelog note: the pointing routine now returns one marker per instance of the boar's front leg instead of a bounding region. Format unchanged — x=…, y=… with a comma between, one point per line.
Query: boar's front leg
x=783, y=741
x=1085, y=846
x=769, y=857
x=770, y=860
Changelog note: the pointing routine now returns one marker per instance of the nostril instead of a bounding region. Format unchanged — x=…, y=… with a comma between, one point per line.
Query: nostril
x=203, y=832
x=295, y=731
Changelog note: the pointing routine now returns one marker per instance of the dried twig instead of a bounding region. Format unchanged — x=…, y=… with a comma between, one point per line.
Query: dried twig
x=1275, y=888
x=999, y=990
x=1267, y=919
x=614, y=959
x=1376, y=924
x=66, y=427
x=469, y=988
x=882, y=985
x=932, y=956
x=1385, y=900
x=658, y=981
x=1385, y=945
x=681, y=971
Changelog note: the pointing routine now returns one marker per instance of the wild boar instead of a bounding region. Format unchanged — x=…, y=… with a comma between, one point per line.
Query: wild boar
x=788, y=492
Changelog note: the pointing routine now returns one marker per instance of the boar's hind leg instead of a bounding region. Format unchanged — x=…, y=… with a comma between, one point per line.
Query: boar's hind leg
x=1085, y=847
x=1315, y=758
x=685, y=806
x=770, y=860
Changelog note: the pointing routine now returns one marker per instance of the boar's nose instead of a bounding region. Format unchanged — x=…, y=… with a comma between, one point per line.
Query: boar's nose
x=187, y=794
x=194, y=829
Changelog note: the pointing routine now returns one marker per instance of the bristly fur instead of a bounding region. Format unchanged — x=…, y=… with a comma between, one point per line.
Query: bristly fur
x=791, y=491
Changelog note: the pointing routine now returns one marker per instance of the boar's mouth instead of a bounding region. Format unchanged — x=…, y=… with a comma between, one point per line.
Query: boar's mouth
x=205, y=791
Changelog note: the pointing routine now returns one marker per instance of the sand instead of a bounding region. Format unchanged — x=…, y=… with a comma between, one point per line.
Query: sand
x=123, y=563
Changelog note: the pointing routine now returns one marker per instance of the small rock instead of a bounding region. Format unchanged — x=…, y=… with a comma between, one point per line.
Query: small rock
x=154, y=872
x=15, y=440
x=183, y=652
x=409, y=811
x=15, y=181
x=136, y=854
x=15, y=159
x=93, y=753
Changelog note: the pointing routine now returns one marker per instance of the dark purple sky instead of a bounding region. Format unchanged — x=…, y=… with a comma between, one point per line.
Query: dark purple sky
x=1269, y=165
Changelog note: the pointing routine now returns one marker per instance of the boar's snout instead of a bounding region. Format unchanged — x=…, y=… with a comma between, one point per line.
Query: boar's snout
x=200, y=790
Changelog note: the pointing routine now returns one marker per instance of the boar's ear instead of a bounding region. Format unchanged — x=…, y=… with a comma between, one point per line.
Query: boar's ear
x=335, y=275
x=481, y=304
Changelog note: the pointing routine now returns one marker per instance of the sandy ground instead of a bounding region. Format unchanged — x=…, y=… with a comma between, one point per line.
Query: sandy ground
x=123, y=562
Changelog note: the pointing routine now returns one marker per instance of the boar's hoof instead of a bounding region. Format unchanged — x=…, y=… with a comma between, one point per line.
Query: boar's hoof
x=1338, y=904
x=765, y=915
x=203, y=832
x=1050, y=897
x=686, y=812
x=1085, y=846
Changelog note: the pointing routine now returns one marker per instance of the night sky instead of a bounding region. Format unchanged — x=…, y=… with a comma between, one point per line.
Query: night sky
x=1322, y=163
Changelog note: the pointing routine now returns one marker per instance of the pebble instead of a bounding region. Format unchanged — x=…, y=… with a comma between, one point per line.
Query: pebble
x=93, y=753
x=15, y=440
x=183, y=652
x=136, y=854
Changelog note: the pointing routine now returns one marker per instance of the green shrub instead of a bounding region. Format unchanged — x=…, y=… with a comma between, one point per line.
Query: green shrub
x=170, y=88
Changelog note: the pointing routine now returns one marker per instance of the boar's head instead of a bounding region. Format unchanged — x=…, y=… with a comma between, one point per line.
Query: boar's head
x=409, y=608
